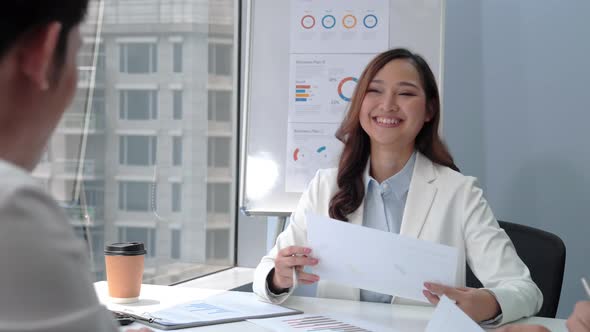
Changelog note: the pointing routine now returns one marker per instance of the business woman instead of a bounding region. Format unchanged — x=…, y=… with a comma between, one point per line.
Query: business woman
x=396, y=175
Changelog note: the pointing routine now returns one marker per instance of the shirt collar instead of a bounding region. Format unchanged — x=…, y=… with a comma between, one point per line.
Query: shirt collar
x=398, y=183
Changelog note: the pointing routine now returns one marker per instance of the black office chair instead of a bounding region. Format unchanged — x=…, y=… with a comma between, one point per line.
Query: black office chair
x=544, y=255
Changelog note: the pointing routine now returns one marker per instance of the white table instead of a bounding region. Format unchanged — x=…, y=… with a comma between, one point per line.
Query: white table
x=400, y=317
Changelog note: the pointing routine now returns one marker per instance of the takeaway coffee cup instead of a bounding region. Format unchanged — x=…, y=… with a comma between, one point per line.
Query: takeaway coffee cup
x=124, y=265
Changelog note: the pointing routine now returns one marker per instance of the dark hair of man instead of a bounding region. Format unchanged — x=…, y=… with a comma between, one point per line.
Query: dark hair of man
x=21, y=17
x=357, y=145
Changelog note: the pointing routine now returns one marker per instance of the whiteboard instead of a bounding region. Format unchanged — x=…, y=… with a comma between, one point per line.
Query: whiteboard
x=414, y=24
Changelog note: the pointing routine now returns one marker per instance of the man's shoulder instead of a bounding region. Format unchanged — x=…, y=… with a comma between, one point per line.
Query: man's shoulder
x=14, y=179
x=26, y=210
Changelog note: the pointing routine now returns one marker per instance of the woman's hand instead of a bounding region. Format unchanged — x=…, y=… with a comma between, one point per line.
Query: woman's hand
x=579, y=321
x=290, y=258
x=479, y=304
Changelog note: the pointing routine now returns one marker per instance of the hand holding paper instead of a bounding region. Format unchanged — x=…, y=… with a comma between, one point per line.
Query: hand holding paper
x=290, y=258
x=378, y=261
x=447, y=317
x=479, y=304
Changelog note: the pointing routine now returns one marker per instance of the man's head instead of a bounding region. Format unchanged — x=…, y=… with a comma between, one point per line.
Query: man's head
x=39, y=40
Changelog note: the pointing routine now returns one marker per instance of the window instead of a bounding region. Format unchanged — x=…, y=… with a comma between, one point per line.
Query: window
x=145, y=147
x=177, y=150
x=137, y=196
x=138, y=150
x=177, y=57
x=176, y=243
x=177, y=104
x=217, y=240
x=218, y=197
x=94, y=197
x=138, y=58
x=219, y=106
x=86, y=58
x=176, y=197
x=138, y=104
x=140, y=234
x=220, y=56
x=218, y=151
x=81, y=98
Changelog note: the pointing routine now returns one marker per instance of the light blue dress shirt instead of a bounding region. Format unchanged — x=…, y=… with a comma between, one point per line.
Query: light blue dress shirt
x=384, y=209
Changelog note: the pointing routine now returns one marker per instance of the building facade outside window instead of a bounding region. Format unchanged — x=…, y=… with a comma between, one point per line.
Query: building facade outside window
x=176, y=197
x=176, y=150
x=177, y=104
x=220, y=59
x=137, y=196
x=219, y=105
x=152, y=158
x=138, y=104
x=177, y=57
x=138, y=58
x=138, y=150
x=218, y=152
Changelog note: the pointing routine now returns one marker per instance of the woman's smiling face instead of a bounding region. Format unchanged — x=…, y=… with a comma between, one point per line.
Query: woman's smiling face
x=394, y=110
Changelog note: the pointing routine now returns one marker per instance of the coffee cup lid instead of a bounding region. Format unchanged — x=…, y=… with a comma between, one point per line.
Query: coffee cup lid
x=125, y=249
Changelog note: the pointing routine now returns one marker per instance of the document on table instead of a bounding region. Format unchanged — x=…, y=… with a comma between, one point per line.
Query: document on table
x=223, y=308
x=319, y=322
x=447, y=317
x=378, y=261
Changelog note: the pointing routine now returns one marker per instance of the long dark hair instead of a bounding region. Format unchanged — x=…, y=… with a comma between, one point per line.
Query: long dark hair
x=357, y=145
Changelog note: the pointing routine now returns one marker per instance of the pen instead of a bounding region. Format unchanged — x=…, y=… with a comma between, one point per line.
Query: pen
x=586, y=287
x=138, y=317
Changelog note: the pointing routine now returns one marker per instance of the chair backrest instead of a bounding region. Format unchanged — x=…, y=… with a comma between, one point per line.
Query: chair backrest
x=544, y=255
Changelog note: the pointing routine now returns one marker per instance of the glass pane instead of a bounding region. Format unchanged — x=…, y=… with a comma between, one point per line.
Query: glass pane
x=222, y=151
x=177, y=104
x=138, y=150
x=176, y=197
x=177, y=50
x=223, y=106
x=137, y=104
x=223, y=63
x=137, y=196
x=138, y=58
x=177, y=151
x=176, y=243
x=135, y=89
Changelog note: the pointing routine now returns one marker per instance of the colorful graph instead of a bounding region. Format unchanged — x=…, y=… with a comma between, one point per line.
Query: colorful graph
x=321, y=323
x=308, y=22
x=370, y=21
x=349, y=21
x=343, y=82
x=302, y=92
x=299, y=155
x=206, y=308
x=328, y=21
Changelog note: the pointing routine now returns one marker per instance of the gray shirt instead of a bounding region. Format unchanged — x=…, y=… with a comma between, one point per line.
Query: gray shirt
x=384, y=210
x=45, y=282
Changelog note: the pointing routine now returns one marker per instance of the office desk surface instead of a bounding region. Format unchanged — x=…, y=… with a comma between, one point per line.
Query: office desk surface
x=399, y=317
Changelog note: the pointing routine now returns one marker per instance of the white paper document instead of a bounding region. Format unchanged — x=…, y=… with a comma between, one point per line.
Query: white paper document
x=222, y=308
x=317, y=322
x=447, y=317
x=378, y=261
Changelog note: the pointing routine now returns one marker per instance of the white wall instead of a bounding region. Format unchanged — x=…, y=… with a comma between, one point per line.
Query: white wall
x=517, y=110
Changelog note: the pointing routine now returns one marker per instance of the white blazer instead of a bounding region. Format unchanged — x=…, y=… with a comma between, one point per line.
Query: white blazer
x=442, y=206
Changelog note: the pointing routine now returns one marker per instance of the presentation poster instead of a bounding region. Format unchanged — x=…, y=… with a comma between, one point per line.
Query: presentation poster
x=310, y=147
x=321, y=85
x=332, y=41
x=336, y=26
